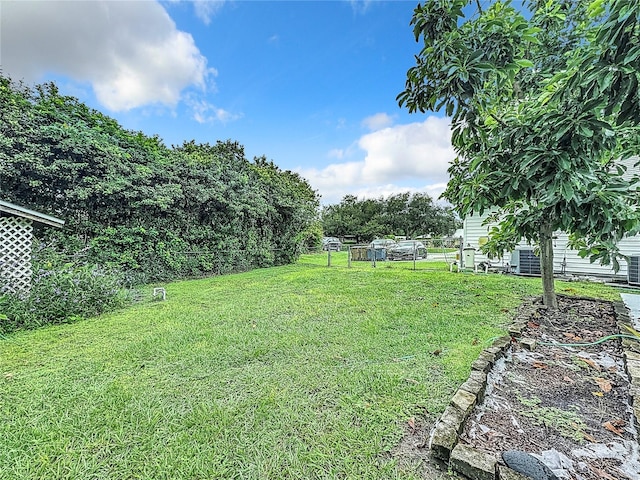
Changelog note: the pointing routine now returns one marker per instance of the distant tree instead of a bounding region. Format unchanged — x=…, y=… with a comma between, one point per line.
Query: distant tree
x=399, y=214
x=543, y=102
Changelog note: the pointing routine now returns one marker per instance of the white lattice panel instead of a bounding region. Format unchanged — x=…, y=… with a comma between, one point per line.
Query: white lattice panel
x=16, y=236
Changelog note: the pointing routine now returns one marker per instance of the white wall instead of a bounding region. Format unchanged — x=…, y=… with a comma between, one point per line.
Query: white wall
x=474, y=230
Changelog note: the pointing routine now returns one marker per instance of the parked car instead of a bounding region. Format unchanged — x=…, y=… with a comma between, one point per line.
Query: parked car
x=383, y=243
x=331, y=243
x=407, y=250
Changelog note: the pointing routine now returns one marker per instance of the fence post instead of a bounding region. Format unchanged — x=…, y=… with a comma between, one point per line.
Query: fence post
x=328, y=257
x=349, y=257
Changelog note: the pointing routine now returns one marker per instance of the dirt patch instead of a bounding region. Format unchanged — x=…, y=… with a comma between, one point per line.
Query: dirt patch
x=568, y=405
x=413, y=454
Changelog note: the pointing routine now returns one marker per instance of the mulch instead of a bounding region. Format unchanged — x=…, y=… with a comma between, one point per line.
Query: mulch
x=569, y=406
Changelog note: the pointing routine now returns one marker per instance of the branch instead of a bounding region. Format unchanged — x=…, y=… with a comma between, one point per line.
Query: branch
x=479, y=6
x=499, y=120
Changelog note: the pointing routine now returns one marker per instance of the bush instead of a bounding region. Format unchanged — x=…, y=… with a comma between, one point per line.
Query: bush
x=61, y=293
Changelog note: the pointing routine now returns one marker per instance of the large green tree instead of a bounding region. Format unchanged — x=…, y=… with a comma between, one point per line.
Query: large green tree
x=544, y=103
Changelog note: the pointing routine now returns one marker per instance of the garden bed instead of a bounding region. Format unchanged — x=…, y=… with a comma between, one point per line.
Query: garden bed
x=568, y=405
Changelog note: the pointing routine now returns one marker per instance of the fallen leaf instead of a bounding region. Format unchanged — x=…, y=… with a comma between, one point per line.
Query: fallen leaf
x=604, y=384
x=590, y=438
x=436, y=352
x=572, y=337
x=412, y=423
x=504, y=310
x=475, y=341
x=590, y=362
x=411, y=380
x=533, y=324
x=8, y=376
x=540, y=365
x=598, y=394
x=568, y=380
x=613, y=427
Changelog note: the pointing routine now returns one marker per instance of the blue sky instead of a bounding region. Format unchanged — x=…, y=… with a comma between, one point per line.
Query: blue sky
x=310, y=85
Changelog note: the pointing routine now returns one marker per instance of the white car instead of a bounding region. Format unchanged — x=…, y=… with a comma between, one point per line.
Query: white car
x=407, y=250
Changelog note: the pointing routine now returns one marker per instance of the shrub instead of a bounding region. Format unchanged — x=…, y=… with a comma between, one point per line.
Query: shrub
x=61, y=293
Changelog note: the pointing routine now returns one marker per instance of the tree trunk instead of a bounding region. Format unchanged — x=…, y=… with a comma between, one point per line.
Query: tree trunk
x=546, y=267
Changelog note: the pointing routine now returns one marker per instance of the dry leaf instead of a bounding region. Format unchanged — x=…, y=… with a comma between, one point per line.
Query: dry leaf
x=590, y=362
x=533, y=324
x=435, y=353
x=598, y=394
x=435, y=304
x=475, y=341
x=572, y=337
x=604, y=384
x=613, y=427
x=411, y=380
x=540, y=365
x=568, y=380
x=590, y=438
x=412, y=423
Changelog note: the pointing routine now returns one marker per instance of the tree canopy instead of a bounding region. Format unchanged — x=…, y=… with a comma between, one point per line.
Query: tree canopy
x=399, y=214
x=130, y=201
x=543, y=103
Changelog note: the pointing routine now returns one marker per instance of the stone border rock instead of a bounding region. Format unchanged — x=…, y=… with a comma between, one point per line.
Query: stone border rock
x=475, y=464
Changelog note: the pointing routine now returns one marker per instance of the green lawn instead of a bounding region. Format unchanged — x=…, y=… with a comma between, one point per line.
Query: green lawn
x=300, y=371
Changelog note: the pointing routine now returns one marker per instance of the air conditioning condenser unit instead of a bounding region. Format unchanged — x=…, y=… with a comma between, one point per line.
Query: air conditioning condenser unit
x=633, y=274
x=525, y=262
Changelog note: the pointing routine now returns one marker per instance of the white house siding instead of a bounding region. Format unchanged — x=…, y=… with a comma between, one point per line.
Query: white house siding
x=574, y=264
x=474, y=230
x=582, y=266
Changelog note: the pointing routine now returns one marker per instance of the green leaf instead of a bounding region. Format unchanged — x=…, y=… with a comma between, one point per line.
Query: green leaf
x=567, y=191
x=524, y=63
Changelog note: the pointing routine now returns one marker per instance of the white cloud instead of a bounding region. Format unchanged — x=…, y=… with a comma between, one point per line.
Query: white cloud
x=205, y=9
x=378, y=121
x=360, y=6
x=415, y=150
x=396, y=160
x=205, y=112
x=131, y=53
x=336, y=153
